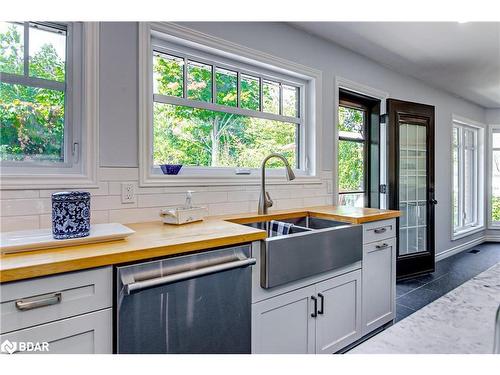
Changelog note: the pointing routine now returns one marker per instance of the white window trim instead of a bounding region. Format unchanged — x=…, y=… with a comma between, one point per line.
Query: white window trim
x=86, y=175
x=491, y=128
x=221, y=176
x=479, y=227
x=347, y=84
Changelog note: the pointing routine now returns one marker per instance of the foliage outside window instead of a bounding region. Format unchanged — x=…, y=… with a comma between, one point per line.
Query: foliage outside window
x=33, y=92
x=208, y=115
x=495, y=176
x=351, y=156
x=465, y=178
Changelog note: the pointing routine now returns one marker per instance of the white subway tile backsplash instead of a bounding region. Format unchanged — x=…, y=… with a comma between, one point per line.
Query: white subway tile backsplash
x=101, y=190
x=31, y=209
x=18, y=194
x=23, y=207
x=109, y=202
x=14, y=223
x=134, y=215
x=315, y=201
x=210, y=197
x=238, y=196
x=284, y=204
x=228, y=208
x=160, y=200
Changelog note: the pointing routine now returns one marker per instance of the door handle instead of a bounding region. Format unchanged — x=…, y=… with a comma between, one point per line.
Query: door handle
x=322, y=304
x=433, y=201
x=315, y=313
x=36, y=302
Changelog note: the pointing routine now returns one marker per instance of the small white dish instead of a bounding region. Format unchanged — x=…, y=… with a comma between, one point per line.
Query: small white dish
x=39, y=239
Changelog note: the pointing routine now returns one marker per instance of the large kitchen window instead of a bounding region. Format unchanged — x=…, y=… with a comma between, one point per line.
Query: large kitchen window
x=467, y=178
x=41, y=100
x=212, y=113
x=495, y=176
x=34, y=93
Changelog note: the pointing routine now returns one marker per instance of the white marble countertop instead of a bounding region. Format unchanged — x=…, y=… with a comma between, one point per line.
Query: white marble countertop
x=460, y=322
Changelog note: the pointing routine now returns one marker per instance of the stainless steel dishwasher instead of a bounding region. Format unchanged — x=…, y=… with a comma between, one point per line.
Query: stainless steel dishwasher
x=199, y=303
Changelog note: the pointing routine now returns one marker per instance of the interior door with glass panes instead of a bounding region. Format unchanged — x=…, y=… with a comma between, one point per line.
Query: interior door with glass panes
x=411, y=184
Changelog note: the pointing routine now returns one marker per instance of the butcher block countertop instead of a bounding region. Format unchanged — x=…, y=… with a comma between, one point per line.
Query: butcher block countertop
x=155, y=239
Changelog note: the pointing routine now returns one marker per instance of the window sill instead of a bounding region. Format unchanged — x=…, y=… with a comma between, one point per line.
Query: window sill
x=49, y=181
x=154, y=180
x=467, y=232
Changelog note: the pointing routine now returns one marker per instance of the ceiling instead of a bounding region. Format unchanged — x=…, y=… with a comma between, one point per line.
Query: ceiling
x=461, y=58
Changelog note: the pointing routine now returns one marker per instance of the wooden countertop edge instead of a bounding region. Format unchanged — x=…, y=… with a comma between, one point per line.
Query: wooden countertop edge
x=47, y=266
x=101, y=260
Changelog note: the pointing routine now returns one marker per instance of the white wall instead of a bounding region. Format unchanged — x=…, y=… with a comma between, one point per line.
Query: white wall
x=493, y=116
x=119, y=139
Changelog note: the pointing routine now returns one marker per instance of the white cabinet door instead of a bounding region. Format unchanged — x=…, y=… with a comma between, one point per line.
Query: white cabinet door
x=283, y=324
x=379, y=283
x=83, y=334
x=339, y=312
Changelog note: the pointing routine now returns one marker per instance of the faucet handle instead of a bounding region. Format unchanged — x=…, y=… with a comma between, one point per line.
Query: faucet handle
x=269, y=201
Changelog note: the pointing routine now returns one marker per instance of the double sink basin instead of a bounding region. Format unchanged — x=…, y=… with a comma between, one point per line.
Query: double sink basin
x=312, y=246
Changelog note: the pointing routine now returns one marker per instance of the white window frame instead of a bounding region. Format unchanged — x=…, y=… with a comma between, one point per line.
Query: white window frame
x=494, y=128
x=477, y=225
x=178, y=40
x=81, y=121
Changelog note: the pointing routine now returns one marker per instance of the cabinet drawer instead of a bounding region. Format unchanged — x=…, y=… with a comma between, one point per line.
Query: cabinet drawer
x=37, y=301
x=379, y=230
x=83, y=334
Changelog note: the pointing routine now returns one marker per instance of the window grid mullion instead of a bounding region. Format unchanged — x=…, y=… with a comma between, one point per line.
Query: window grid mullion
x=185, y=79
x=238, y=89
x=261, y=95
x=214, y=84
x=26, y=49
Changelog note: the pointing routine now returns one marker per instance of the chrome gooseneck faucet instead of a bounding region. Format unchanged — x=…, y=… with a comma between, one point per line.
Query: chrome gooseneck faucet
x=265, y=200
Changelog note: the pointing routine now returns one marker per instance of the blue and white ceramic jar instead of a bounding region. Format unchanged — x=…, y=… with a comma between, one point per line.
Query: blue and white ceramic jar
x=70, y=214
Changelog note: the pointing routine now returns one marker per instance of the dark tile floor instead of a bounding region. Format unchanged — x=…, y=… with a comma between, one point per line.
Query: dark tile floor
x=451, y=272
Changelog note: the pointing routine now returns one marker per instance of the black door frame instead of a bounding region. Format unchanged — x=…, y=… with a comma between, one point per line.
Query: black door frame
x=423, y=262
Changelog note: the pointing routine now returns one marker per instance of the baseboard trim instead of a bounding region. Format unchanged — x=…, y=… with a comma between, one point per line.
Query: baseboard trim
x=465, y=246
x=492, y=238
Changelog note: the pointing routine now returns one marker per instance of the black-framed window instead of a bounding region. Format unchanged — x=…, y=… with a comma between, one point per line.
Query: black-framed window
x=358, y=151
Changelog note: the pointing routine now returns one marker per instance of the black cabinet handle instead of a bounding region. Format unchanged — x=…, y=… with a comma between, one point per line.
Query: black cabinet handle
x=380, y=230
x=315, y=313
x=433, y=201
x=322, y=304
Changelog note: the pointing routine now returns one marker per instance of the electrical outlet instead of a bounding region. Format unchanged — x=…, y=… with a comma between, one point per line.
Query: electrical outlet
x=128, y=192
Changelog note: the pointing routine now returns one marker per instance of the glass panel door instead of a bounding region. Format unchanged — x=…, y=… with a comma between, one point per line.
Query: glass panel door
x=412, y=188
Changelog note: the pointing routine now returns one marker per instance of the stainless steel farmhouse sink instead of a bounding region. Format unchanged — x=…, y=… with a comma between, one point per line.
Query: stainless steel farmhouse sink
x=313, y=246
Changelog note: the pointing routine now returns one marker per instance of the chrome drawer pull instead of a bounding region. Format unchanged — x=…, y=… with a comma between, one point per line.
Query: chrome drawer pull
x=380, y=230
x=383, y=246
x=35, y=302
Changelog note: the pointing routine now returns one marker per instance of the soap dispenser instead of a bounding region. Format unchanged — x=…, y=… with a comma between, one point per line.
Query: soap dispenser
x=189, y=198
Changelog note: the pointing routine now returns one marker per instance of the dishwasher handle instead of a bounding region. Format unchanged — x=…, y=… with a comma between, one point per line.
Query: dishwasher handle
x=143, y=284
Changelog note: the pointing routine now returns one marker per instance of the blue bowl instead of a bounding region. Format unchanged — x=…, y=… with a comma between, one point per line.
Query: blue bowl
x=170, y=168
